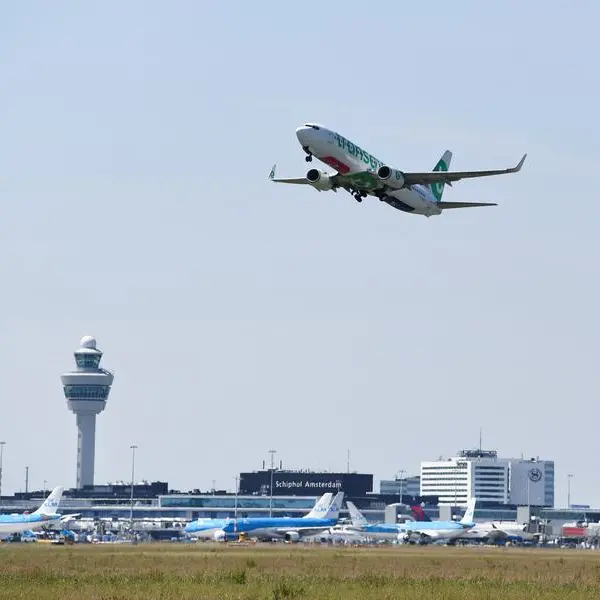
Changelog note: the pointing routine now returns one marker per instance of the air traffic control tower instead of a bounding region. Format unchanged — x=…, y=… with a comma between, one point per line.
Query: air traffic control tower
x=86, y=390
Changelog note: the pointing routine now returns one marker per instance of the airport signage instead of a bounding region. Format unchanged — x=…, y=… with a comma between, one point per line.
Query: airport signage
x=306, y=484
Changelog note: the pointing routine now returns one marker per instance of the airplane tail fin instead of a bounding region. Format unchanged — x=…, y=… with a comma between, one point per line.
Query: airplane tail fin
x=321, y=507
x=469, y=513
x=419, y=513
x=437, y=189
x=333, y=512
x=358, y=520
x=50, y=505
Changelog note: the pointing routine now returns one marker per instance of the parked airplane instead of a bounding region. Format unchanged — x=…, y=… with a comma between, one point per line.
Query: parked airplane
x=206, y=528
x=216, y=528
x=424, y=532
x=324, y=515
x=500, y=531
x=361, y=528
x=361, y=174
x=45, y=515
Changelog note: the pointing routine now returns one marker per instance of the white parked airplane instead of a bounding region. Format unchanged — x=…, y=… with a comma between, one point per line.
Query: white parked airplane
x=493, y=531
x=361, y=174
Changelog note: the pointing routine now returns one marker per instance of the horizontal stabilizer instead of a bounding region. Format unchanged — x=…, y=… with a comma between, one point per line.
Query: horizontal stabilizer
x=445, y=205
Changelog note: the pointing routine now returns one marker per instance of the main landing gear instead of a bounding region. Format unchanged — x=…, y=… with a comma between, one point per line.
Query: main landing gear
x=309, y=157
x=358, y=196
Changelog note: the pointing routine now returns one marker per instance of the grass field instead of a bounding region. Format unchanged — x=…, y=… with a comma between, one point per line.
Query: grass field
x=275, y=572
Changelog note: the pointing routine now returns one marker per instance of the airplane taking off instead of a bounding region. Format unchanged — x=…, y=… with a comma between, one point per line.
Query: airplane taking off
x=361, y=174
x=45, y=515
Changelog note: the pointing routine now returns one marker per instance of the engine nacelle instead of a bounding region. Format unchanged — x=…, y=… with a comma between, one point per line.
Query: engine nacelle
x=292, y=537
x=320, y=180
x=392, y=177
x=219, y=536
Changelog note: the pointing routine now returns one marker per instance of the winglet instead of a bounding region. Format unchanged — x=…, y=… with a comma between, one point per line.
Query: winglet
x=272, y=173
x=518, y=167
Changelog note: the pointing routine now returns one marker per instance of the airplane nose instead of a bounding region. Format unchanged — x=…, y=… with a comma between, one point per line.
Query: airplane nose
x=303, y=135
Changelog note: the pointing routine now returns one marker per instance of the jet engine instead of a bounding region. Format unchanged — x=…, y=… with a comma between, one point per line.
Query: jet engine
x=319, y=180
x=219, y=536
x=292, y=536
x=392, y=177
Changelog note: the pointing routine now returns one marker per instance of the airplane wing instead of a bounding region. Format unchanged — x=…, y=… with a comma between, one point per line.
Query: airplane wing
x=446, y=205
x=298, y=180
x=362, y=180
x=450, y=176
x=301, y=530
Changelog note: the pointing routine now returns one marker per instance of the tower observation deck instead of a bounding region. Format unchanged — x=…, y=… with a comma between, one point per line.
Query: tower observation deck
x=86, y=390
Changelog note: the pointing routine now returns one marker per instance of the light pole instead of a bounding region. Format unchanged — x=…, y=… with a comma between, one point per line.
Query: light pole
x=569, y=489
x=133, y=447
x=235, y=506
x=1, y=454
x=272, y=453
x=45, y=482
x=401, y=473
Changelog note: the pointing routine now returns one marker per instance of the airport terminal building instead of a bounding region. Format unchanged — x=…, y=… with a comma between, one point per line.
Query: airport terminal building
x=166, y=513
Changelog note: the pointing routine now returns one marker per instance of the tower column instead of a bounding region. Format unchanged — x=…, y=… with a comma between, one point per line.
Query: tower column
x=86, y=449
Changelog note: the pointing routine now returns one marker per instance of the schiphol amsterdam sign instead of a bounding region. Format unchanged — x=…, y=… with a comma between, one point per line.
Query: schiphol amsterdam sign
x=309, y=485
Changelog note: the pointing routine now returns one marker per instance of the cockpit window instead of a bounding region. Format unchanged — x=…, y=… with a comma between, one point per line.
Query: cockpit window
x=311, y=125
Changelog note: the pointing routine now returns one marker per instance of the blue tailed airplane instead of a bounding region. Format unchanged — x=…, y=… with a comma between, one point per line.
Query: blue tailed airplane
x=45, y=515
x=324, y=515
x=421, y=531
x=207, y=529
x=429, y=531
x=222, y=529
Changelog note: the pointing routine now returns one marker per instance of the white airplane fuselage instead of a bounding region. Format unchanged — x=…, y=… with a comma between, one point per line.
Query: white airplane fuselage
x=345, y=157
x=10, y=524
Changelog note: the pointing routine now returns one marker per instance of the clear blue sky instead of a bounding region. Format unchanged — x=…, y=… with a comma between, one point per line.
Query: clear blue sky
x=239, y=315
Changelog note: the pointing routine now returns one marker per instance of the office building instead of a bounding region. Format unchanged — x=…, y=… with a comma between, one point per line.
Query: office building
x=481, y=474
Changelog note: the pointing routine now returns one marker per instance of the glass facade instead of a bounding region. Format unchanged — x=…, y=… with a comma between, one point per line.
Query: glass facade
x=87, y=361
x=242, y=502
x=86, y=392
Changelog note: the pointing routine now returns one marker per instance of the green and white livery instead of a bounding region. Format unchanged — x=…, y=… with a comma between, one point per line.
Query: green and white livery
x=362, y=174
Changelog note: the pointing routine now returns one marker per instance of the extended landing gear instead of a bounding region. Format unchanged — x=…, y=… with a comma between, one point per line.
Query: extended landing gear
x=358, y=196
x=309, y=157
